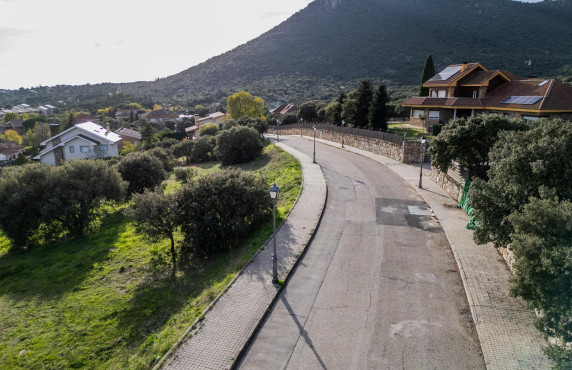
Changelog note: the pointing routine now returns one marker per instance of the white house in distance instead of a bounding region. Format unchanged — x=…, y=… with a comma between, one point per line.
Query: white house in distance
x=86, y=140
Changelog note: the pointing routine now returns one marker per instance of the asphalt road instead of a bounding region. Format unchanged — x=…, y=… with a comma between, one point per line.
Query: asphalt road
x=378, y=287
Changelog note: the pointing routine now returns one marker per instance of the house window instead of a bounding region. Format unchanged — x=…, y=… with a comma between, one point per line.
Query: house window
x=72, y=149
x=442, y=94
x=84, y=149
x=475, y=94
x=433, y=94
x=417, y=113
x=103, y=148
x=528, y=119
x=434, y=114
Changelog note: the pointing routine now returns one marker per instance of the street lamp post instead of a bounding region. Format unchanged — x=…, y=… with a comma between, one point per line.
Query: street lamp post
x=314, y=143
x=274, y=191
x=277, y=137
x=302, y=120
x=422, y=160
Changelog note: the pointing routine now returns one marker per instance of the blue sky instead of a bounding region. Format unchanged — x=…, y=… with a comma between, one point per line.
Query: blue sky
x=85, y=41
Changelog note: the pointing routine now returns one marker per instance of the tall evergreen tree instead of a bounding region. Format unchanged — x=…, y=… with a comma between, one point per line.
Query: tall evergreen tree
x=428, y=72
x=356, y=107
x=337, y=111
x=147, y=133
x=378, y=114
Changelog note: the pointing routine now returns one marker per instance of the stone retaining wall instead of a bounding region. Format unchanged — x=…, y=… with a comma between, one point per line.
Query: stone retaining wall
x=410, y=152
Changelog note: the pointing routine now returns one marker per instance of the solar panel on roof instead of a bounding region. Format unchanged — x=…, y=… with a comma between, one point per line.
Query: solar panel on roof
x=526, y=100
x=542, y=83
x=445, y=74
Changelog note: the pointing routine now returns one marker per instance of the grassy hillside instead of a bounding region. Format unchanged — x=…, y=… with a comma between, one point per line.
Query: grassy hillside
x=107, y=300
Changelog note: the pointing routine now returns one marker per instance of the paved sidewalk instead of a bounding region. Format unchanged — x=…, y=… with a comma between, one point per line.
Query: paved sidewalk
x=218, y=340
x=505, y=327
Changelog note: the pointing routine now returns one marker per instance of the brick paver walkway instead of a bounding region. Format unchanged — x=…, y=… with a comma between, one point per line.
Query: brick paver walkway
x=227, y=327
x=505, y=327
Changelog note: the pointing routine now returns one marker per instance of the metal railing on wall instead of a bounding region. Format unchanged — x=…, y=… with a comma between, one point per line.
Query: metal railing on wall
x=385, y=136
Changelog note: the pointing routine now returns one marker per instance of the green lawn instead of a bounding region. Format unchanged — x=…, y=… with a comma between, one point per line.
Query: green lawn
x=410, y=132
x=107, y=300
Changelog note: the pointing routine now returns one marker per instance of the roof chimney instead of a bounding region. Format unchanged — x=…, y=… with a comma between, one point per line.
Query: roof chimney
x=107, y=128
x=54, y=129
x=464, y=66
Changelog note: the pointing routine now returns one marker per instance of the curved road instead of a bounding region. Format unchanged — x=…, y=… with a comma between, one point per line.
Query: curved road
x=378, y=287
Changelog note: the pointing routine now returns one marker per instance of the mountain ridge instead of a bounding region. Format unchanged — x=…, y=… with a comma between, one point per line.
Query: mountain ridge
x=329, y=45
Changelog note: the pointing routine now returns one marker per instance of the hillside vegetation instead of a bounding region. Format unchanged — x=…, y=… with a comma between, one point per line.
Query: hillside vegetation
x=108, y=300
x=331, y=44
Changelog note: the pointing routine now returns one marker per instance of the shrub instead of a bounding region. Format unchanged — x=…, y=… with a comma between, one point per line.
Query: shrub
x=166, y=158
x=183, y=149
x=168, y=142
x=238, y=145
x=436, y=129
x=203, y=149
x=22, y=197
x=256, y=123
x=220, y=208
x=142, y=171
x=289, y=119
x=210, y=129
x=128, y=147
x=78, y=188
x=185, y=174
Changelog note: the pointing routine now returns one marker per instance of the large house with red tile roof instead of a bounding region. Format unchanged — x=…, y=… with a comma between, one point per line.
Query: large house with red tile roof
x=468, y=89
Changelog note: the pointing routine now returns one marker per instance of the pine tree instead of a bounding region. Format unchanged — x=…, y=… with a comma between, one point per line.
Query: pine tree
x=337, y=114
x=131, y=118
x=378, y=110
x=428, y=72
x=363, y=97
x=147, y=133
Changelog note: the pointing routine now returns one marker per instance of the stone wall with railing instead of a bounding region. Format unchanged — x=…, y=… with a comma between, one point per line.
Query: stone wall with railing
x=389, y=145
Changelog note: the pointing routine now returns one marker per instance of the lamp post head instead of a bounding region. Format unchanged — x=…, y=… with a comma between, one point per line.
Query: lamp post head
x=343, y=122
x=314, y=127
x=422, y=139
x=274, y=191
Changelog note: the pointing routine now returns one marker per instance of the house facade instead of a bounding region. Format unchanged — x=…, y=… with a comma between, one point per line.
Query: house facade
x=468, y=89
x=128, y=135
x=9, y=151
x=86, y=140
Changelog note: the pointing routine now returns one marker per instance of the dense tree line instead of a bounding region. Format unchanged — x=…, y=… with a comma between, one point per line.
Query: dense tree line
x=520, y=196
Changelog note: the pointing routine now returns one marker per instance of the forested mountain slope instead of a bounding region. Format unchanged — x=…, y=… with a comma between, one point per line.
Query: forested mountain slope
x=330, y=44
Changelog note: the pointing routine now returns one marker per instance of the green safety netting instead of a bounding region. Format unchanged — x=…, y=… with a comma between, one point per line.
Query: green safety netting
x=464, y=204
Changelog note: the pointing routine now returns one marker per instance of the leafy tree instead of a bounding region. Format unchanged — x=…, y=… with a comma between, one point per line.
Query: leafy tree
x=22, y=197
x=220, y=208
x=77, y=189
x=288, y=119
x=356, y=108
x=166, y=158
x=524, y=164
x=128, y=147
x=256, y=123
x=9, y=117
x=38, y=134
x=135, y=106
x=11, y=135
x=243, y=104
x=237, y=145
x=157, y=216
x=210, y=129
x=203, y=149
x=31, y=122
x=157, y=107
x=309, y=111
x=21, y=160
x=542, y=243
x=142, y=171
x=428, y=72
x=468, y=141
x=336, y=109
x=378, y=114
x=183, y=149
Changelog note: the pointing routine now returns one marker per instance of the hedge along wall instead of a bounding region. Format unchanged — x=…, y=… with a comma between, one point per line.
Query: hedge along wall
x=406, y=151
